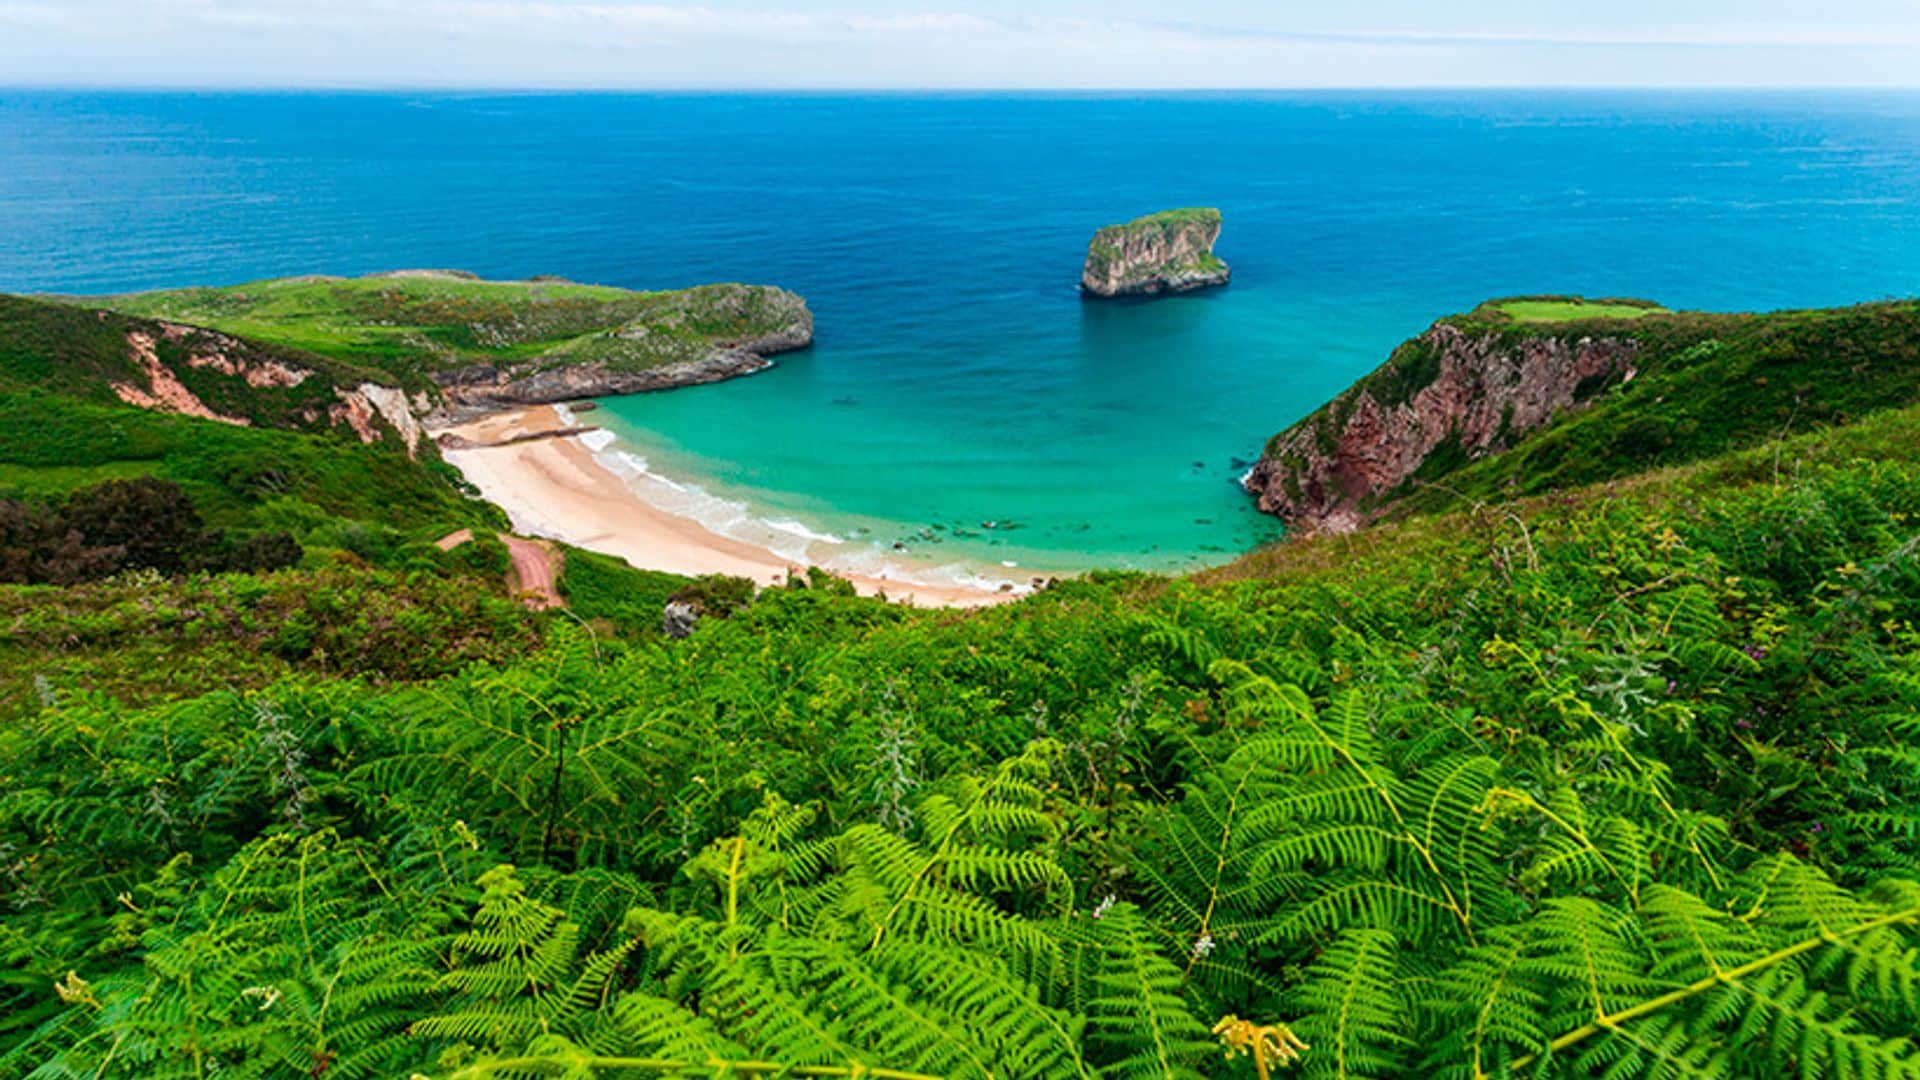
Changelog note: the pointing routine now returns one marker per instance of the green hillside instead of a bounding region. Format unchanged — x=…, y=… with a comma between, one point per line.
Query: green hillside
x=411, y=324
x=1614, y=779
x=1711, y=383
x=1700, y=384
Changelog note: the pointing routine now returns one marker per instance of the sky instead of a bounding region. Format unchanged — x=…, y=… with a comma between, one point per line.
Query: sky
x=958, y=44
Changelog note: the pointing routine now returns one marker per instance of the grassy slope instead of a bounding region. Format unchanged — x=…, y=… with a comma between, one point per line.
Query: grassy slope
x=1574, y=310
x=1707, y=384
x=373, y=598
x=79, y=353
x=1710, y=384
x=1747, y=635
x=411, y=326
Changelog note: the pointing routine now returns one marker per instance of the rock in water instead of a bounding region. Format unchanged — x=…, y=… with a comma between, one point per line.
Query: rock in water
x=1168, y=252
x=678, y=619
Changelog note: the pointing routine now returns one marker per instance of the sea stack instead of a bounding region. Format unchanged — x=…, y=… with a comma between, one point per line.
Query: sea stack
x=1168, y=252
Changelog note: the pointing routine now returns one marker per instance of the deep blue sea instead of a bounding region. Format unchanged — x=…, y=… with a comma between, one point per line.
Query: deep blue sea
x=958, y=377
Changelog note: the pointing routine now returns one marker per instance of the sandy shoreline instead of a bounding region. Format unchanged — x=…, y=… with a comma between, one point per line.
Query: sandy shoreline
x=553, y=487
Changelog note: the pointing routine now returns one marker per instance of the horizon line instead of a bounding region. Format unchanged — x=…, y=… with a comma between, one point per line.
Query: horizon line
x=1304, y=88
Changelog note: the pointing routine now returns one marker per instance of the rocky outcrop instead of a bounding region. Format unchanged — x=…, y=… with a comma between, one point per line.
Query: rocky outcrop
x=660, y=352
x=370, y=410
x=164, y=391
x=1168, y=252
x=1447, y=391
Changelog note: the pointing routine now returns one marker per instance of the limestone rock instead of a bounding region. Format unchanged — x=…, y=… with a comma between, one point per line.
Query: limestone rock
x=1168, y=252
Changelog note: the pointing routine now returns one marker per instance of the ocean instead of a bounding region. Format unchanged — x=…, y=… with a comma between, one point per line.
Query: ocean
x=958, y=379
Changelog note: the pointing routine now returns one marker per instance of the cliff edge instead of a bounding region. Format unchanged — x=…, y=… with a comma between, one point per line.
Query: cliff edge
x=1168, y=252
x=1525, y=396
x=1457, y=393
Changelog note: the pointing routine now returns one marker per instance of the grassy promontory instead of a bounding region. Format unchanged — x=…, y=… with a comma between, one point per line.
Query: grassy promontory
x=1657, y=388
x=411, y=325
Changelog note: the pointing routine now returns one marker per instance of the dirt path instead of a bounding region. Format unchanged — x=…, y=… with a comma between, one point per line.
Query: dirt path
x=535, y=568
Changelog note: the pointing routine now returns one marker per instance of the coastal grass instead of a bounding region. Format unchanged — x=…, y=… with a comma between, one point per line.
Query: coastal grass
x=1558, y=311
x=1706, y=385
x=410, y=325
x=240, y=477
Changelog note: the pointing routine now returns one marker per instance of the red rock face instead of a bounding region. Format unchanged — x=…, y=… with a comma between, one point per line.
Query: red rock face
x=1486, y=393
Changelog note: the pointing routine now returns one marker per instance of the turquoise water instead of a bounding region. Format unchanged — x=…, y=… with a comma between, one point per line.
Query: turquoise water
x=958, y=378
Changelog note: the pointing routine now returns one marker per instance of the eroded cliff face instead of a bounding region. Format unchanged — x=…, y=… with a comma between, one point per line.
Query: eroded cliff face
x=1168, y=252
x=373, y=412
x=1341, y=466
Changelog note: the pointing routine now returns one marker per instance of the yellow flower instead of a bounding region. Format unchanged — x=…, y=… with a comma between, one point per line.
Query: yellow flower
x=1270, y=1044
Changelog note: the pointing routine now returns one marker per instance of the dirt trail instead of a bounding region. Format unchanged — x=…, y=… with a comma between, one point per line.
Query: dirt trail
x=535, y=569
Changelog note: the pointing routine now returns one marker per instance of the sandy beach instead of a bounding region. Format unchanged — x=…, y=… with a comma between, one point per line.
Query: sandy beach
x=553, y=487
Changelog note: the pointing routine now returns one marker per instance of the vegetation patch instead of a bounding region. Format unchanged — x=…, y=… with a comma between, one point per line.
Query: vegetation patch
x=1575, y=310
x=409, y=326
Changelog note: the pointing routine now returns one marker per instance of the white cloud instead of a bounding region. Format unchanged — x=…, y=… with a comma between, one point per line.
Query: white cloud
x=659, y=43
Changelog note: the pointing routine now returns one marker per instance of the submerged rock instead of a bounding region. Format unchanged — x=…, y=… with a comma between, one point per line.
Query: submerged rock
x=1168, y=252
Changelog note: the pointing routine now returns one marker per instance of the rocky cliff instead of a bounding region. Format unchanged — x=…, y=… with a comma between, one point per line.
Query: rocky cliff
x=1168, y=252
x=729, y=330
x=1449, y=395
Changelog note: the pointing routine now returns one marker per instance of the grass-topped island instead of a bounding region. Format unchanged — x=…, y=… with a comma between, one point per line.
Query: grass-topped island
x=1167, y=252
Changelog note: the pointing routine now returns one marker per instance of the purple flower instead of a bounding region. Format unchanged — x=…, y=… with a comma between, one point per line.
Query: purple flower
x=1817, y=827
x=1743, y=724
x=1756, y=653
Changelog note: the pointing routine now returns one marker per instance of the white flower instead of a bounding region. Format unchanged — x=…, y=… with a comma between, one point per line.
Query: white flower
x=1104, y=906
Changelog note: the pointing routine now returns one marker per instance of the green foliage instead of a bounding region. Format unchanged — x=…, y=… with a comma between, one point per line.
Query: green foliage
x=140, y=637
x=139, y=524
x=237, y=477
x=1617, y=782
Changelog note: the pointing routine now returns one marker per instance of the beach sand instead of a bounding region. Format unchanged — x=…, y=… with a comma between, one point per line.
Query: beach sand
x=553, y=487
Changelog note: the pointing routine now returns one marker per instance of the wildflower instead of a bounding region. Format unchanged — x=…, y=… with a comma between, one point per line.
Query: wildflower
x=893, y=765
x=466, y=834
x=1270, y=1044
x=1203, y=947
x=1818, y=827
x=157, y=808
x=43, y=687
x=75, y=990
x=1105, y=905
x=289, y=761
